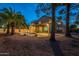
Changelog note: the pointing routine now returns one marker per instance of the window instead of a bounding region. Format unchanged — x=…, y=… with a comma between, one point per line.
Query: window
x=45, y=28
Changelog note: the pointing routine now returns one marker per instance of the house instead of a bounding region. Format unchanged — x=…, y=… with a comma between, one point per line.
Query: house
x=42, y=25
x=20, y=29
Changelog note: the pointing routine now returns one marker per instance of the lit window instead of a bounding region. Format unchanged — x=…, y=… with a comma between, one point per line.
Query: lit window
x=46, y=28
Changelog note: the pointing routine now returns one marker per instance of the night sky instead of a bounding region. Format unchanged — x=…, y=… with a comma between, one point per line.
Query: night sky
x=28, y=10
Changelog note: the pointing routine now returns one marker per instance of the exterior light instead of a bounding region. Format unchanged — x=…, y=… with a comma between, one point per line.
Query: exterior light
x=47, y=24
x=39, y=22
x=50, y=21
x=59, y=23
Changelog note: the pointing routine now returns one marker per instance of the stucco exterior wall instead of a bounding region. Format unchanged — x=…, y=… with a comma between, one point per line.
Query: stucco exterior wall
x=16, y=30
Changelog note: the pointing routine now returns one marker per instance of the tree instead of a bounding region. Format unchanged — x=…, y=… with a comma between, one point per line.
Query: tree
x=68, y=21
x=12, y=19
x=46, y=9
x=20, y=21
x=67, y=12
x=77, y=22
x=59, y=23
x=6, y=18
x=55, y=46
x=77, y=19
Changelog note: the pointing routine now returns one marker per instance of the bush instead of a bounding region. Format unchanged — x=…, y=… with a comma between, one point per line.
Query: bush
x=73, y=28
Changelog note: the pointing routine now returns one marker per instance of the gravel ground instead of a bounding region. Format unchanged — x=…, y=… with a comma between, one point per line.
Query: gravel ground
x=24, y=45
x=17, y=45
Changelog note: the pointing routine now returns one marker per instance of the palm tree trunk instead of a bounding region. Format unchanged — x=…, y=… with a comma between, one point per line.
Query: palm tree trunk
x=8, y=28
x=19, y=29
x=12, y=28
x=67, y=22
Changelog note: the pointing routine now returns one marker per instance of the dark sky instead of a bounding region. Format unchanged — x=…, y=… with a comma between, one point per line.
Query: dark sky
x=28, y=10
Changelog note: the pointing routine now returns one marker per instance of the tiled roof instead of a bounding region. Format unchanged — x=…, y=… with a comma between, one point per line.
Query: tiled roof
x=35, y=22
x=42, y=19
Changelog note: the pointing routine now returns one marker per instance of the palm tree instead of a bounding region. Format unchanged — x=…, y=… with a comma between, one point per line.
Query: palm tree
x=8, y=16
x=20, y=21
x=4, y=16
x=11, y=18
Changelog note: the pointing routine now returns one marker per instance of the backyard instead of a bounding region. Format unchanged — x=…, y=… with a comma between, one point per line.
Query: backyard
x=39, y=30
x=36, y=46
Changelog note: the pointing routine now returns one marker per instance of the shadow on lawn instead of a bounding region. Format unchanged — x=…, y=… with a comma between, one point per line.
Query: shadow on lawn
x=55, y=47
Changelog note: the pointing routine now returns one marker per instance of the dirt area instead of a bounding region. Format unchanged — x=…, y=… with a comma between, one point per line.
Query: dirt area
x=17, y=45
x=24, y=45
